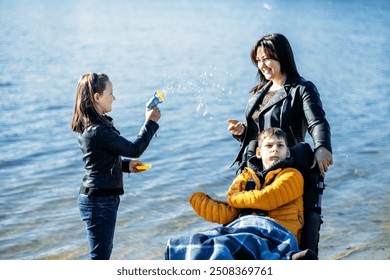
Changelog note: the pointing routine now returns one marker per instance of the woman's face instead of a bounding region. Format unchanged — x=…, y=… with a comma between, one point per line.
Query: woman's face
x=268, y=66
x=104, y=100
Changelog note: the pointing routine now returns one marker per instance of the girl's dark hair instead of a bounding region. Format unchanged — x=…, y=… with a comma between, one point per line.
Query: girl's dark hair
x=276, y=46
x=85, y=112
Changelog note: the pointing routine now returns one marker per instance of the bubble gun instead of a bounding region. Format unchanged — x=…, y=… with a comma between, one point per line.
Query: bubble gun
x=157, y=98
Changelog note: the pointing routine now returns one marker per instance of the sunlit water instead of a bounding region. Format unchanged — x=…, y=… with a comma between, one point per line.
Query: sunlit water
x=198, y=53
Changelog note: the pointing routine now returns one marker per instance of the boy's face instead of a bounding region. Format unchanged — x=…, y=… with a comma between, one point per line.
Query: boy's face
x=271, y=150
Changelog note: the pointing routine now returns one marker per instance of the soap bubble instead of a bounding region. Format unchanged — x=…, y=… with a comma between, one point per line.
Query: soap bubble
x=204, y=88
x=267, y=6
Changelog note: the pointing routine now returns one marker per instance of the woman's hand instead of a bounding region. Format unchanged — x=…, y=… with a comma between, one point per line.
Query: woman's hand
x=153, y=114
x=235, y=127
x=323, y=158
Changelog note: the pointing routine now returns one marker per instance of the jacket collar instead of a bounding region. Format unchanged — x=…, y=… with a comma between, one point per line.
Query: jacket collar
x=255, y=99
x=257, y=165
x=109, y=119
x=280, y=95
x=102, y=119
x=290, y=82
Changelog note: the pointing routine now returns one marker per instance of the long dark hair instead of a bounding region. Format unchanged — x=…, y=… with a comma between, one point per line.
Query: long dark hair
x=85, y=112
x=276, y=46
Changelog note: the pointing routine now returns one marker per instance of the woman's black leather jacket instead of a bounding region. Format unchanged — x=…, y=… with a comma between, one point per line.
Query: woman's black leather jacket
x=296, y=109
x=103, y=148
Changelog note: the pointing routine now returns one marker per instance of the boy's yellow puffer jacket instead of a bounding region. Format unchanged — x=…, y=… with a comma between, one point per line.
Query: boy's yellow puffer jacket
x=217, y=212
x=211, y=210
x=280, y=195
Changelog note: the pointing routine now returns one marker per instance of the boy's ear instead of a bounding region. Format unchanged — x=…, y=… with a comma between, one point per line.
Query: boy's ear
x=288, y=153
x=258, y=154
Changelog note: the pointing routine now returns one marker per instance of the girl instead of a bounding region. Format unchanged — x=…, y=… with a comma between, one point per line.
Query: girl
x=102, y=147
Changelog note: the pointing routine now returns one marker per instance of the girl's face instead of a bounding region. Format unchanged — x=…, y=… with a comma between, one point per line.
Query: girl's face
x=268, y=66
x=271, y=150
x=104, y=100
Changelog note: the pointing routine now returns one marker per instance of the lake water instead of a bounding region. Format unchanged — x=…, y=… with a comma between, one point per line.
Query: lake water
x=198, y=53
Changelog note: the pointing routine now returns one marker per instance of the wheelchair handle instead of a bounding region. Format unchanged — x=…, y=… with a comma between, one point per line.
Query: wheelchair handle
x=320, y=190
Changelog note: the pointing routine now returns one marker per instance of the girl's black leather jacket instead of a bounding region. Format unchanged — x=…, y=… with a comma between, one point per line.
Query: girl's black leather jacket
x=103, y=148
x=296, y=109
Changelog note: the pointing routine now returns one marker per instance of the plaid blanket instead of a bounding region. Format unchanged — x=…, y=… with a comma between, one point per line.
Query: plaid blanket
x=247, y=238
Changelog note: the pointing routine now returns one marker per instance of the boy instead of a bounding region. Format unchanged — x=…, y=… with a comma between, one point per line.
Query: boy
x=269, y=188
x=277, y=192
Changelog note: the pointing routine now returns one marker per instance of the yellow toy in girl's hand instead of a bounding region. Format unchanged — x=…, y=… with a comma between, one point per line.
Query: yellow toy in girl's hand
x=143, y=166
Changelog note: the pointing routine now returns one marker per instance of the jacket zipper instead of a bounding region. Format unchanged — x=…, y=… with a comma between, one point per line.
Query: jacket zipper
x=112, y=168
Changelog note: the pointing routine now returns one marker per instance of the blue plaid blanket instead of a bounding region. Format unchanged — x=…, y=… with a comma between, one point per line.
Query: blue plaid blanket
x=247, y=238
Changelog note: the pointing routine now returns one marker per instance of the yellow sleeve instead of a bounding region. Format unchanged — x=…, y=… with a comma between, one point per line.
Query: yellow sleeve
x=211, y=210
x=241, y=180
x=287, y=186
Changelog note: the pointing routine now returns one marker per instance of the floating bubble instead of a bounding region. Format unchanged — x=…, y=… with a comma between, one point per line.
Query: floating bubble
x=207, y=85
x=267, y=6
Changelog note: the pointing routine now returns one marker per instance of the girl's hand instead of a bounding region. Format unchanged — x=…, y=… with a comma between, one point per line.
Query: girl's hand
x=154, y=114
x=323, y=158
x=133, y=163
x=235, y=127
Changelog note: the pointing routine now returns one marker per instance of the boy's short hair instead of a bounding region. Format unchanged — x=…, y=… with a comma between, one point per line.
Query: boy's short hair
x=273, y=131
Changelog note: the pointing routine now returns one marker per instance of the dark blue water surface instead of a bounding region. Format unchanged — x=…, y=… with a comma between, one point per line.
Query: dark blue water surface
x=198, y=53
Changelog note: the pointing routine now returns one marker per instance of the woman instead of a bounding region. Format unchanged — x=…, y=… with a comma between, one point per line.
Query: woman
x=102, y=147
x=283, y=99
